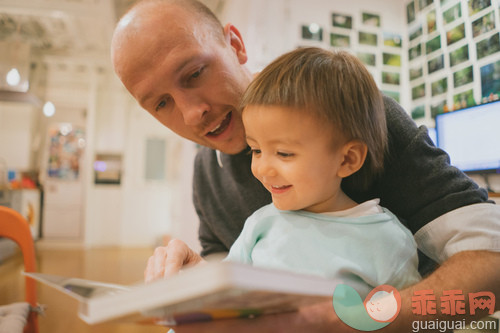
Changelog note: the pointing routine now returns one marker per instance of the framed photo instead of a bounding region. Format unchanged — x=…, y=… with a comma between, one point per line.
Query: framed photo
x=410, y=12
x=415, y=32
x=310, y=33
x=488, y=46
x=369, y=59
x=393, y=94
x=437, y=108
x=435, y=64
x=483, y=24
x=342, y=21
x=415, y=73
x=459, y=55
x=418, y=91
x=424, y=3
x=439, y=87
x=371, y=19
x=431, y=21
x=337, y=40
x=418, y=112
x=392, y=39
x=391, y=59
x=464, y=100
x=475, y=6
x=390, y=78
x=463, y=76
x=455, y=34
x=415, y=52
x=367, y=38
x=433, y=45
x=452, y=14
x=490, y=84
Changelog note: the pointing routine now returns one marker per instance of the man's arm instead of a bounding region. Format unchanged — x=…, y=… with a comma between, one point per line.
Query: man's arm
x=469, y=271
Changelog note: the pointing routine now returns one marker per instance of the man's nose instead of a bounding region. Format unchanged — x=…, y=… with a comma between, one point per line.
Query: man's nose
x=192, y=108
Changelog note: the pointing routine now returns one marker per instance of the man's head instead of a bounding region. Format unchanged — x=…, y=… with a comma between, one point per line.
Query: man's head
x=185, y=69
x=335, y=88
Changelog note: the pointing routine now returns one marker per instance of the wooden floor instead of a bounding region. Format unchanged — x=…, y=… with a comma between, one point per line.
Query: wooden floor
x=123, y=266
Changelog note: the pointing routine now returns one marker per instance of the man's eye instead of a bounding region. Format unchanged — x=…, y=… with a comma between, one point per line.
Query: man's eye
x=162, y=104
x=196, y=74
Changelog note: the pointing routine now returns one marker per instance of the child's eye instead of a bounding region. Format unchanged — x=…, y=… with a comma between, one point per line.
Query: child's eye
x=255, y=151
x=283, y=154
x=196, y=74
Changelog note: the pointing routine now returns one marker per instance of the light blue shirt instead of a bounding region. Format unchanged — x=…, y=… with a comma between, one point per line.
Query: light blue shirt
x=364, y=251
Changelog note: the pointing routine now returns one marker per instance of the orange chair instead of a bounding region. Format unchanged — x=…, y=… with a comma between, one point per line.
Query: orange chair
x=14, y=226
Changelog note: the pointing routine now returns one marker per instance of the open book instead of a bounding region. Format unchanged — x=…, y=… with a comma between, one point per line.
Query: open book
x=205, y=292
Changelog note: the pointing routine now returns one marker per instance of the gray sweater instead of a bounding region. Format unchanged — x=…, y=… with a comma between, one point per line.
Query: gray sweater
x=417, y=184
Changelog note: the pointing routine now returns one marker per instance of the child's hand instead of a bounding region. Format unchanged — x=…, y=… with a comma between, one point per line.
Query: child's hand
x=168, y=260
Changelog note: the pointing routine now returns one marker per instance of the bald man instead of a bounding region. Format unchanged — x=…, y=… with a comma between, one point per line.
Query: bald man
x=188, y=71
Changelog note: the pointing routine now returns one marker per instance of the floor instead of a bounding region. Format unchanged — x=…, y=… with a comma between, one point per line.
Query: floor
x=113, y=265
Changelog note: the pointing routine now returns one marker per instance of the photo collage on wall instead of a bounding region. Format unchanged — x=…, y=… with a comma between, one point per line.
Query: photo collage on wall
x=453, y=54
x=363, y=35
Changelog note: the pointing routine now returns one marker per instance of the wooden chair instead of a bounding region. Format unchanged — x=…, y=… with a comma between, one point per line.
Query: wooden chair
x=15, y=227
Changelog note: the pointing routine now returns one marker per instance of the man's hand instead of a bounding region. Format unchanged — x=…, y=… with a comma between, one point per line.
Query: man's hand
x=168, y=260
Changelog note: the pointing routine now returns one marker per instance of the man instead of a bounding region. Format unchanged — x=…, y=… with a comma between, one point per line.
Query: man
x=188, y=71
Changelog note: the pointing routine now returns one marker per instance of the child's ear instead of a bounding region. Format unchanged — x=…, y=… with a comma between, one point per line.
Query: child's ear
x=354, y=153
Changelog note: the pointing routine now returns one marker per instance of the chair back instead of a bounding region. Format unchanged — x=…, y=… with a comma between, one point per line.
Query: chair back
x=15, y=227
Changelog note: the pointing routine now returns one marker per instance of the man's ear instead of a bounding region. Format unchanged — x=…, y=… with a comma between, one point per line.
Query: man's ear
x=234, y=39
x=354, y=153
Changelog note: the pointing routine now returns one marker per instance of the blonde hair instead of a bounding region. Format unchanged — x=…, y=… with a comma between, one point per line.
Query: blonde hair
x=333, y=86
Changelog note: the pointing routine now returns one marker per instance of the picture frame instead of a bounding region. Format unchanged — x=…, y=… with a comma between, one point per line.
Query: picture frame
x=416, y=73
x=490, y=84
x=393, y=94
x=367, y=38
x=415, y=32
x=341, y=21
x=391, y=78
x=459, y=55
x=307, y=34
x=452, y=14
x=483, y=24
x=415, y=52
x=338, y=40
x=464, y=99
x=439, y=87
x=437, y=108
x=410, y=12
x=369, y=59
x=455, y=34
x=431, y=21
x=463, y=77
x=391, y=59
x=424, y=3
x=488, y=46
x=418, y=91
x=435, y=64
x=433, y=44
x=475, y=6
x=392, y=39
x=370, y=19
x=418, y=112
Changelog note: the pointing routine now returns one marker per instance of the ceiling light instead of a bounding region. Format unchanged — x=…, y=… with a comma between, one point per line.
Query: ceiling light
x=13, y=77
x=49, y=109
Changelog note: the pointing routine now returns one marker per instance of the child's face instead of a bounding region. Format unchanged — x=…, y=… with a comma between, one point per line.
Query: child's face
x=293, y=156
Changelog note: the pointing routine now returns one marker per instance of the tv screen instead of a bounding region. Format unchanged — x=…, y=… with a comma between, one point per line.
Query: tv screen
x=471, y=137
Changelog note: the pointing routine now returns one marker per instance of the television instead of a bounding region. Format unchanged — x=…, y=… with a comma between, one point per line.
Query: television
x=471, y=137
